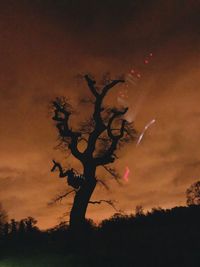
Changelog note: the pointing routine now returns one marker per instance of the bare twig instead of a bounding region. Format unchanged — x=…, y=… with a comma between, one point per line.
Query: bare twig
x=103, y=183
x=61, y=115
x=109, y=202
x=113, y=173
x=60, y=197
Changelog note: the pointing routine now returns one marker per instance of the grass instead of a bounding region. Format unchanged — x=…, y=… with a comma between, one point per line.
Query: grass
x=42, y=261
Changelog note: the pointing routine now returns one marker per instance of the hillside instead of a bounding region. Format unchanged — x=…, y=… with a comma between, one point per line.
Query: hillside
x=158, y=238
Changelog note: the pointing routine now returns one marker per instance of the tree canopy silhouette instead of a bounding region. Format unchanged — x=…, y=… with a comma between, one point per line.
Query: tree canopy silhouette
x=193, y=194
x=3, y=218
x=103, y=133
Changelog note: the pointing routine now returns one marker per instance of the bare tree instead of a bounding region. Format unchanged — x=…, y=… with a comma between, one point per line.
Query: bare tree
x=193, y=194
x=103, y=134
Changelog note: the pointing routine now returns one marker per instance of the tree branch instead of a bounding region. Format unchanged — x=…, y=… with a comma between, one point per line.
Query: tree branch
x=108, y=157
x=109, y=86
x=91, y=84
x=103, y=183
x=61, y=116
x=58, y=165
x=116, y=113
x=110, y=202
x=113, y=173
x=60, y=197
x=99, y=124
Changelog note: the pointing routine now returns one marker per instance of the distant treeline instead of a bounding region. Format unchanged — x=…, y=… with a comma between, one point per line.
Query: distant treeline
x=158, y=238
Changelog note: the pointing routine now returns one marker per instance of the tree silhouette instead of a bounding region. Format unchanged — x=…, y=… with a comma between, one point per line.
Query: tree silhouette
x=14, y=226
x=21, y=228
x=3, y=215
x=30, y=224
x=193, y=194
x=102, y=135
x=3, y=219
x=139, y=210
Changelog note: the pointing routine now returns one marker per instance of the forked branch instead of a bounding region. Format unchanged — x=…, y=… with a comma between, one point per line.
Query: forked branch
x=62, y=173
x=99, y=126
x=61, y=116
x=108, y=156
x=109, y=86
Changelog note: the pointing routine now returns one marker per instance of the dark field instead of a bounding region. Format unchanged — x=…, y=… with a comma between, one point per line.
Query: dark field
x=160, y=238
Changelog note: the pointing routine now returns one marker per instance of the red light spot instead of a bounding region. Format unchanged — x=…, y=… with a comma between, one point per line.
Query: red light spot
x=151, y=54
x=126, y=174
x=146, y=61
x=132, y=71
x=138, y=75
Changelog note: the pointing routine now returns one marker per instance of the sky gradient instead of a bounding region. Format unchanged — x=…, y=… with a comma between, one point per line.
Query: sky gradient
x=44, y=46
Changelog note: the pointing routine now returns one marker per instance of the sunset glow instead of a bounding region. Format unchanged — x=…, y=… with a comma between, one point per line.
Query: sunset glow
x=46, y=49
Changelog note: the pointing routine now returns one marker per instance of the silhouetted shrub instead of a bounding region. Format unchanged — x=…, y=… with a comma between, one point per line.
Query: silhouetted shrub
x=193, y=194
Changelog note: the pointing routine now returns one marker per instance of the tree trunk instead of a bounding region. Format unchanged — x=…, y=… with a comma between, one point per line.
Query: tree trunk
x=82, y=197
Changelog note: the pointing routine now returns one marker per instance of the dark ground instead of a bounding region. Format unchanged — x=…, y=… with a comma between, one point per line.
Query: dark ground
x=160, y=238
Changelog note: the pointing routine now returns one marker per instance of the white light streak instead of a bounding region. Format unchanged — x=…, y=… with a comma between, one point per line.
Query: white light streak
x=143, y=132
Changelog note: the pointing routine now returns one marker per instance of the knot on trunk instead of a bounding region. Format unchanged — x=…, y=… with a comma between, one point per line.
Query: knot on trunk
x=76, y=181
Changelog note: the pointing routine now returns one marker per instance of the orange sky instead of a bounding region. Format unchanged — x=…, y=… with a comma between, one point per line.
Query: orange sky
x=45, y=45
